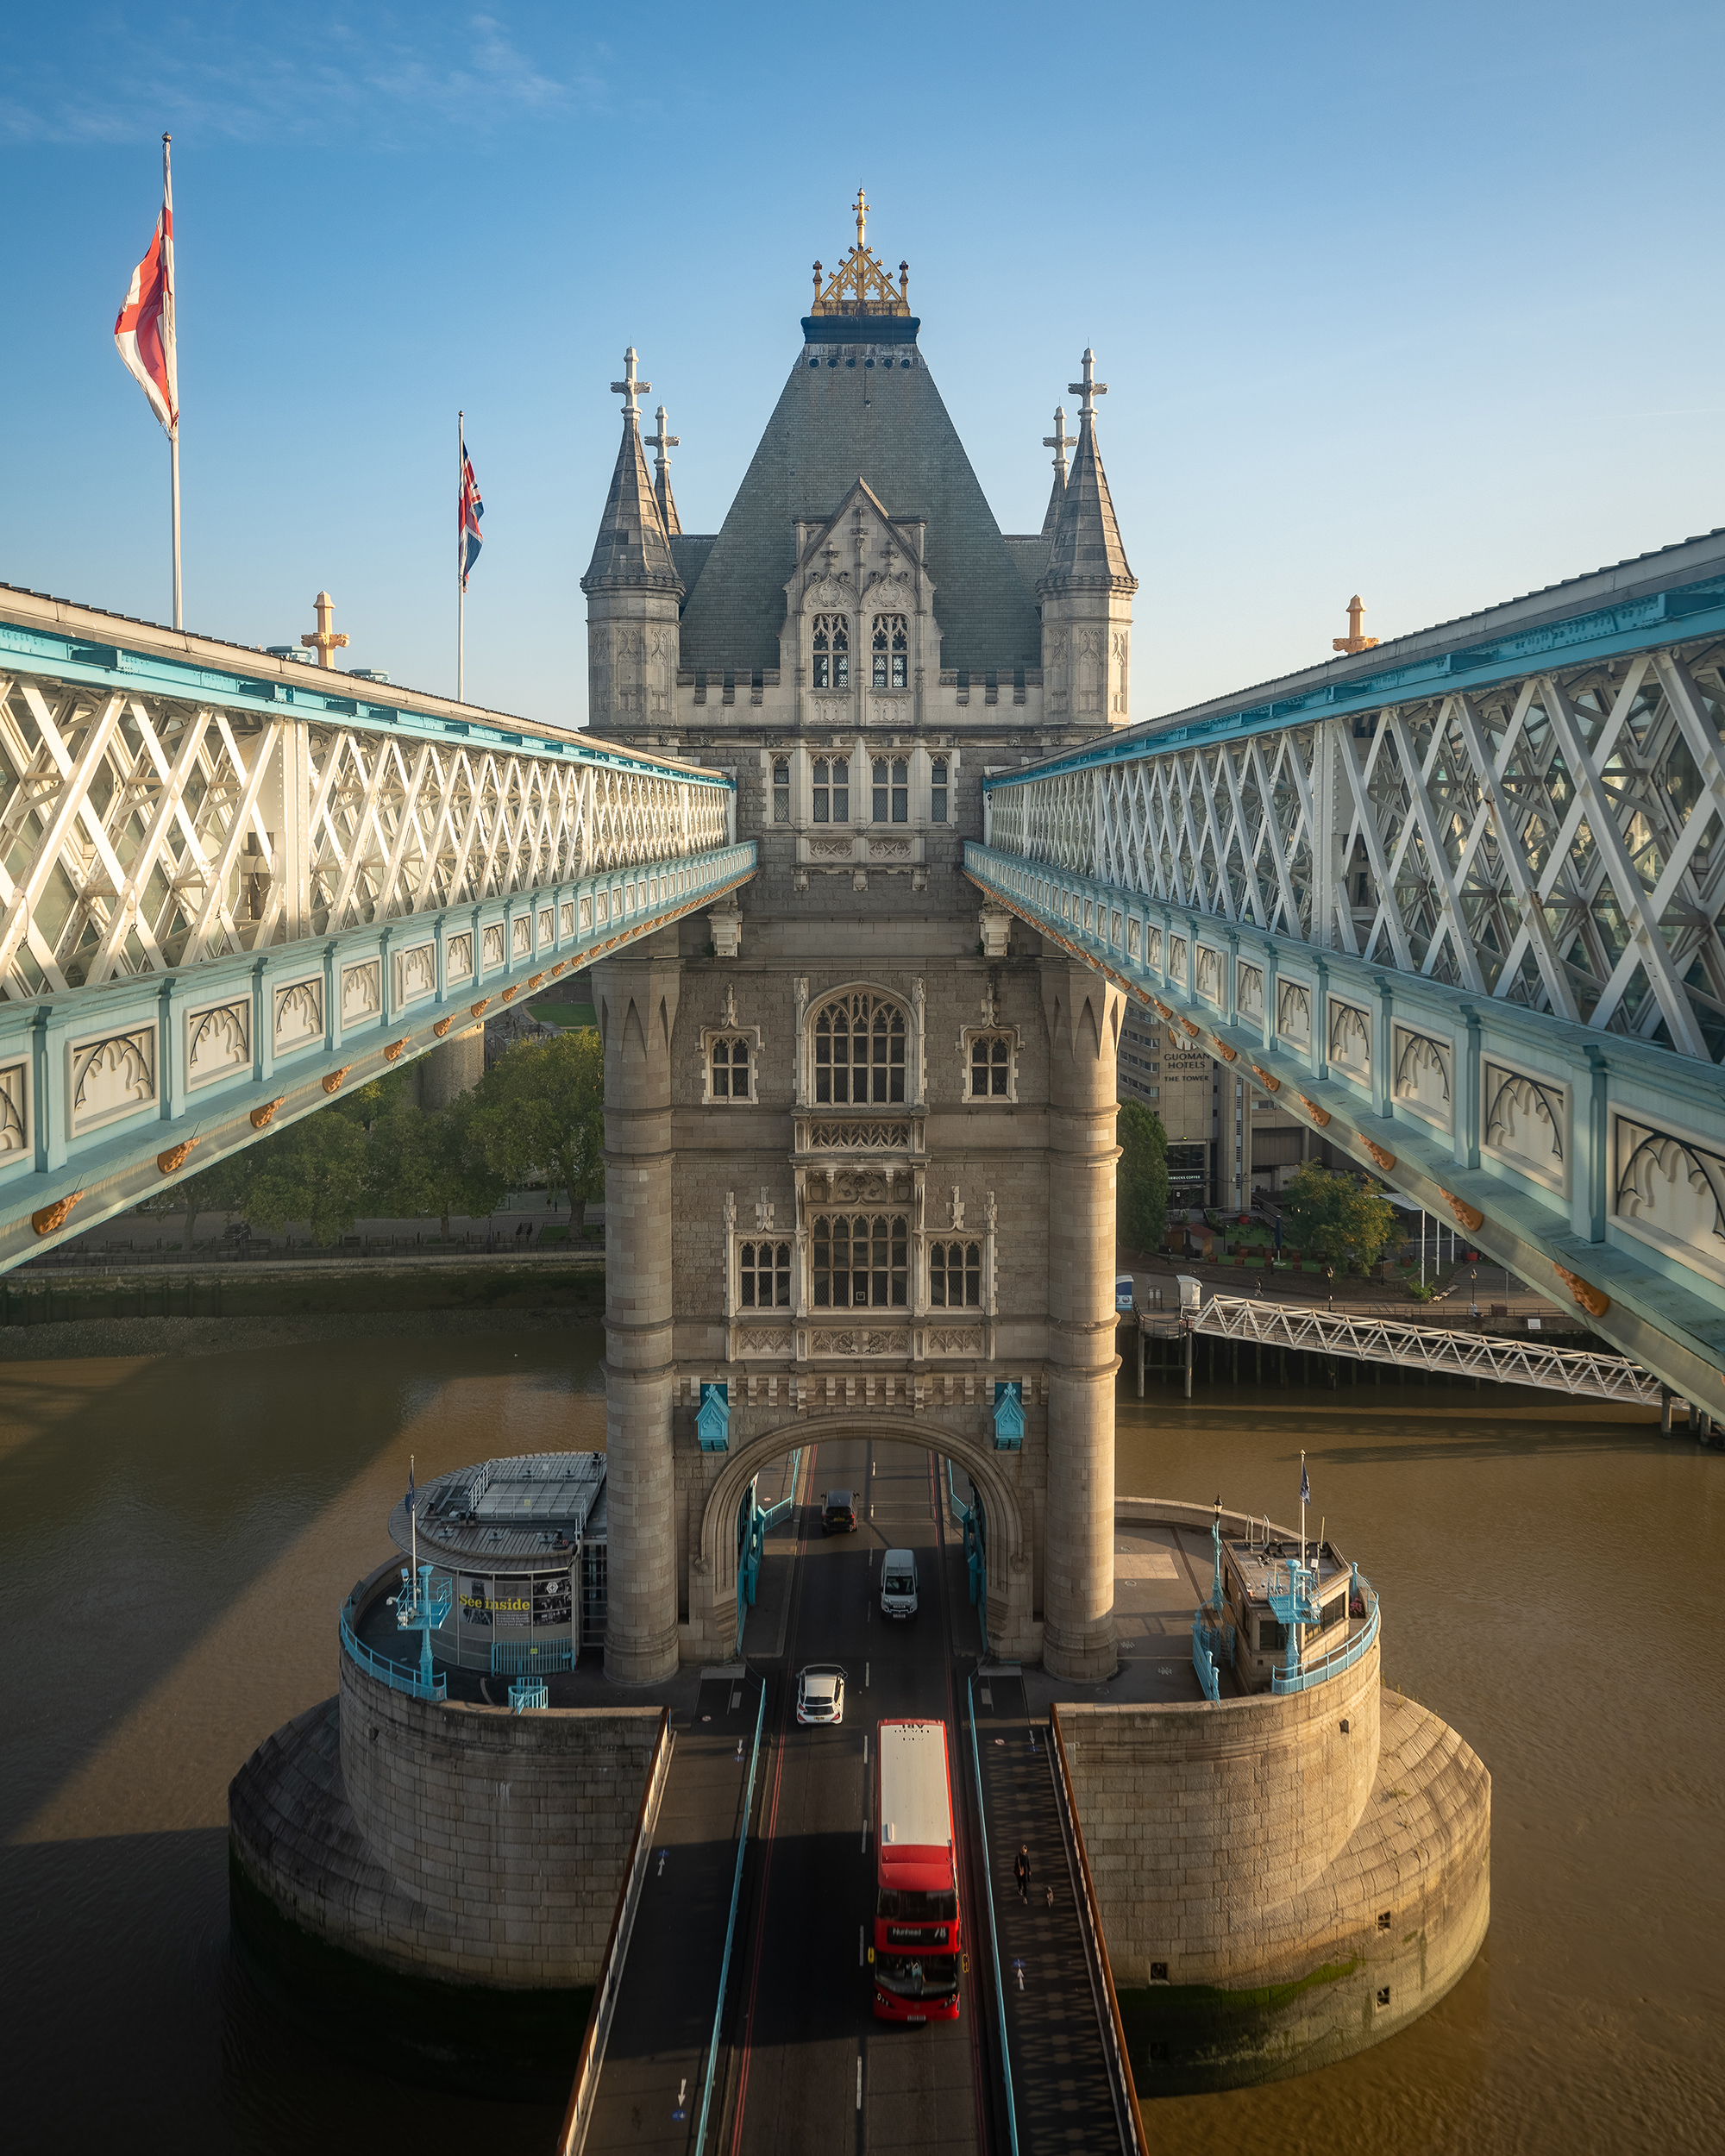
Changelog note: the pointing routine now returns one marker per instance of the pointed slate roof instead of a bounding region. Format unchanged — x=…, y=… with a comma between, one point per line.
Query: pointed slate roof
x=633, y=551
x=666, y=501
x=838, y=419
x=1085, y=554
x=1056, y=494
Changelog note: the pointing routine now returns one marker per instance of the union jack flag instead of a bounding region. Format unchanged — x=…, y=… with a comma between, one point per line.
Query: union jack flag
x=470, y=539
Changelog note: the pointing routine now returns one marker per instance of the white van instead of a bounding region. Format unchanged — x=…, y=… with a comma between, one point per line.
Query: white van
x=899, y=1584
x=1123, y=1294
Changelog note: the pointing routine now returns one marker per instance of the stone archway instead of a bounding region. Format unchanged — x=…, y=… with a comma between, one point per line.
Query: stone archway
x=712, y=1584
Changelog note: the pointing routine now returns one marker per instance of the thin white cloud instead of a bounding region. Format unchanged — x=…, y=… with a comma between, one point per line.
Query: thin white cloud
x=258, y=77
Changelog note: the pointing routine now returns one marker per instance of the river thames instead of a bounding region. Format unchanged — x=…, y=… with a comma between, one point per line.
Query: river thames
x=178, y=1530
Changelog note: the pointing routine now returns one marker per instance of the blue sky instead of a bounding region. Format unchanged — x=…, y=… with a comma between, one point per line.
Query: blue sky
x=1420, y=301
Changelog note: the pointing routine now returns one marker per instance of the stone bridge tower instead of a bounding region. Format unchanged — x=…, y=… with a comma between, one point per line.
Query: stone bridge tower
x=860, y=1132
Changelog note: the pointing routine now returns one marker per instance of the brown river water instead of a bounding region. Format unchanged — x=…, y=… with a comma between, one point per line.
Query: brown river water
x=177, y=1532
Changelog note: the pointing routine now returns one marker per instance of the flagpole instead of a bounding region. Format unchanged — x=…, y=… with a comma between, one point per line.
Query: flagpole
x=1303, y=1508
x=460, y=563
x=173, y=432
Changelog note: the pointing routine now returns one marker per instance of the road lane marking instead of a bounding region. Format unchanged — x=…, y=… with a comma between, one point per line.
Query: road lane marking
x=865, y=1684
x=859, y=2081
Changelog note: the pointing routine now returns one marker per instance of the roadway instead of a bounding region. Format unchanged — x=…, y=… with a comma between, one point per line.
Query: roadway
x=810, y=2068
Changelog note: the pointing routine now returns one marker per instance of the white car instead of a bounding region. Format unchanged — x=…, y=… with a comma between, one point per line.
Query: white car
x=899, y=1584
x=820, y=1694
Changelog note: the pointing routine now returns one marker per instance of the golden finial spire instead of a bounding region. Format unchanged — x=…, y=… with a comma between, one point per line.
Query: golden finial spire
x=861, y=285
x=323, y=639
x=1353, y=641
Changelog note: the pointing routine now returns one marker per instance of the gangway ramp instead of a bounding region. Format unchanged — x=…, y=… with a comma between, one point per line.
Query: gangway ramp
x=653, y=2076
x=1070, y=2088
x=1580, y=1372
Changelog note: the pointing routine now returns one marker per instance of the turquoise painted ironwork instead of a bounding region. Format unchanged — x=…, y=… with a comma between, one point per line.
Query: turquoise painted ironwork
x=423, y=1610
x=1009, y=1416
x=712, y=1418
x=994, y=1942
x=526, y=1695
x=731, y=1921
x=1203, y=1659
x=518, y=1657
x=1342, y=1659
x=397, y=1675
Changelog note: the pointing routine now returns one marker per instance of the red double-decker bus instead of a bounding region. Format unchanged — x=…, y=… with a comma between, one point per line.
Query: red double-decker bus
x=918, y=1936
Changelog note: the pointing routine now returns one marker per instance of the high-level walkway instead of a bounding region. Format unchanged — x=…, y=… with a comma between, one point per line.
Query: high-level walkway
x=1456, y=904
x=231, y=885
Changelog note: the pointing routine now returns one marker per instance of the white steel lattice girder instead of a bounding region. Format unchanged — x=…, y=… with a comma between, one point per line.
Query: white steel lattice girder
x=1555, y=840
x=186, y=827
x=1574, y=1228
x=59, y=1175
x=140, y=832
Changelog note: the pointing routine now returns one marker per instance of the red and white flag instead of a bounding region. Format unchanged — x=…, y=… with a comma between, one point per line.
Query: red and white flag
x=144, y=332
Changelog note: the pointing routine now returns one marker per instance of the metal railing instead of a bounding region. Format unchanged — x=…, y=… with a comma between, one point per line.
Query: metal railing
x=397, y=1675
x=1204, y=1662
x=515, y=1657
x=526, y=1695
x=994, y=1939
x=579, y=2114
x=1114, y=2031
x=731, y=1925
x=1339, y=1659
x=1506, y=1362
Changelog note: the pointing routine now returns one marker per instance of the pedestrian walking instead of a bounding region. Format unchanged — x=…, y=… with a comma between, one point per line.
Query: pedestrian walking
x=1023, y=1870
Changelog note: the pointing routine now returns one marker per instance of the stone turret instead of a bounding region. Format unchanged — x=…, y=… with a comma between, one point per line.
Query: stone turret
x=633, y=590
x=1087, y=588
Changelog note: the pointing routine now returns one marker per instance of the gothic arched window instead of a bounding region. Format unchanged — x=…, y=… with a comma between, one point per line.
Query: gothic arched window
x=782, y=789
x=763, y=1275
x=861, y=1261
x=954, y=1275
x=937, y=790
x=859, y=1051
x=831, y=652
x=832, y=789
x=891, y=789
x=892, y=649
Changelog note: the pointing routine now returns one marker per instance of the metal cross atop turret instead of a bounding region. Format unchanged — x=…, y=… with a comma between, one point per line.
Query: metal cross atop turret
x=629, y=389
x=1088, y=389
x=1353, y=641
x=1060, y=441
x=324, y=639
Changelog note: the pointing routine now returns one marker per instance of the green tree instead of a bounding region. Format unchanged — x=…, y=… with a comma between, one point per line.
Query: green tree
x=314, y=1171
x=221, y=1187
x=1141, y=1207
x=1335, y=1218
x=419, y=1166
x=540, y=1109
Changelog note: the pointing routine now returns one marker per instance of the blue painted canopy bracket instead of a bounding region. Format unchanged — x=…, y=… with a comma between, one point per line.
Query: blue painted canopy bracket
x=1668, y=1327
x=109, y=1172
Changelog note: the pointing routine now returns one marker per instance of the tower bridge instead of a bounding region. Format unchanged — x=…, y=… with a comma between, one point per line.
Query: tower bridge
x=860, y=1210
x=231, y=884
x=1454, y=902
